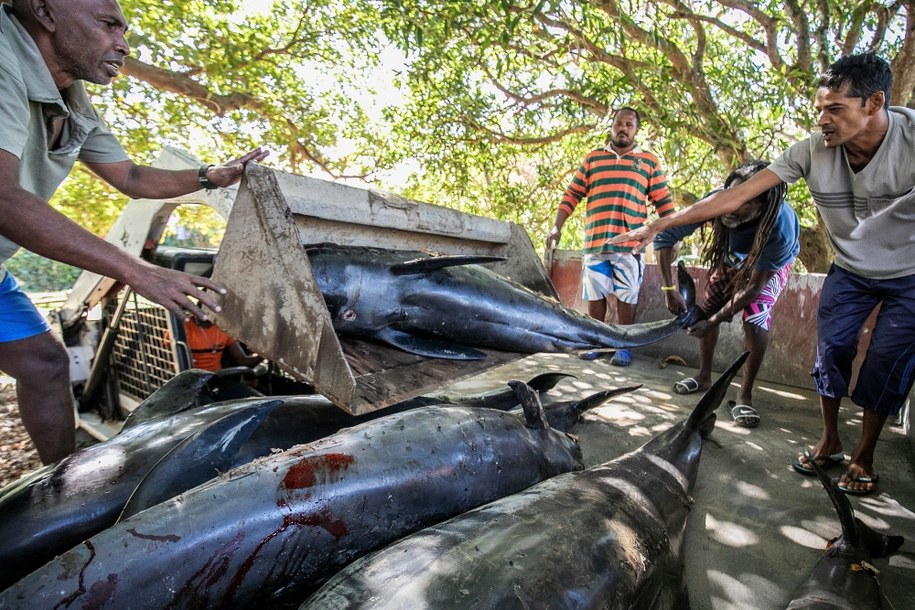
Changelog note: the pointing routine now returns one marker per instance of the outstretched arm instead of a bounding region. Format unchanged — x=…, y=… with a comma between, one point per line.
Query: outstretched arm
x=144, y=182
x=36, y=226
x=717, y=204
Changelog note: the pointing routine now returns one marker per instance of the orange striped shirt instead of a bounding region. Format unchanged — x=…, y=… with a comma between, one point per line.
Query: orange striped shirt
x=618, y=189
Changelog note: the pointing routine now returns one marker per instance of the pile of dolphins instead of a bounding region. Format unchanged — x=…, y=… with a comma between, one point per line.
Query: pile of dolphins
x=437, y=502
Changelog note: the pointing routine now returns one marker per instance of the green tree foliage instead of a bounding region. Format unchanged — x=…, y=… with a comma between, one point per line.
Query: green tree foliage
x=506, y=89
x=501, y=98
x=220, y=77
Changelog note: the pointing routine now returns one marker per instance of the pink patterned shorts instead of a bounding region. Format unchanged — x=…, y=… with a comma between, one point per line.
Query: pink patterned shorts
x=759, y=311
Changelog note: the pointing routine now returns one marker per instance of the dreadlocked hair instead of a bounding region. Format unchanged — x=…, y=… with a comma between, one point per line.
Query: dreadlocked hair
x=717, y=246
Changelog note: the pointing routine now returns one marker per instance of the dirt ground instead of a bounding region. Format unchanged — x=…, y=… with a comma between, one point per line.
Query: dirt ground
x=17, y=453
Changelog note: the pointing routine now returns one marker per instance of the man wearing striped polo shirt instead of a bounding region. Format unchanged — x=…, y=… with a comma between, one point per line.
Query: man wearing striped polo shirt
x=618, y=181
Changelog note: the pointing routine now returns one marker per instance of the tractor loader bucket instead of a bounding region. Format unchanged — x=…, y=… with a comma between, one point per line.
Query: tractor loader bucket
x=275, y=307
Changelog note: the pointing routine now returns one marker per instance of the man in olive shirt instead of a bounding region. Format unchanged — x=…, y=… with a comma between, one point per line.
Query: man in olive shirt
x=860, y=170
x=47, y=48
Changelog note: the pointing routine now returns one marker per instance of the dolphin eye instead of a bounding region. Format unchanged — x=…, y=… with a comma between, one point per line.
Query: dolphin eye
x=348, y=315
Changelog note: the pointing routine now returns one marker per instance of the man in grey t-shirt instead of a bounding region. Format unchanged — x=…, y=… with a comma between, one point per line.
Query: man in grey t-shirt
x=861, y=173
x=46, y=123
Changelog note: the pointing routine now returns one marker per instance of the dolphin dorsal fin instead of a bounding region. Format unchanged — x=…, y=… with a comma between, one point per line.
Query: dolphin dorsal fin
x=534, y=416
x=426, y=265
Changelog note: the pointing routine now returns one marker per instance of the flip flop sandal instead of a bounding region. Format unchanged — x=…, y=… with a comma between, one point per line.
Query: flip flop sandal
x=825, y=461
x=687, y=386
x=744, y=415
x=622, y=358
x=862, y=479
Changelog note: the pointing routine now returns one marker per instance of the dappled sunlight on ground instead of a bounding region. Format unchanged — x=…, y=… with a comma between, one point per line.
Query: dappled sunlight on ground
x=729, y=533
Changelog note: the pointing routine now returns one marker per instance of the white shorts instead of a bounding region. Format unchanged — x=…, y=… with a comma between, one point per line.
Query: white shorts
x=617, y=273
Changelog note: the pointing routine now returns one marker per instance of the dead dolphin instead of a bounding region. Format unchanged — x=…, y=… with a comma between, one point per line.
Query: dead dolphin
x=281, y=524
x=844, y=578
x=606, y=537
x=194, y=461
x=58, y=506
x=445, y=306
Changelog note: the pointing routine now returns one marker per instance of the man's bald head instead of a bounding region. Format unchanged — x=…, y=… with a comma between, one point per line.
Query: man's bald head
x=78, y=39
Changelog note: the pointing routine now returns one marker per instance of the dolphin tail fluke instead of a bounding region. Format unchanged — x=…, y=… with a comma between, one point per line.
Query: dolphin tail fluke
x=599, y=398
x=529, y=398
x=854, y=531
x=713, y=397
x=198, y=458
x=687, y=285
x=688, y=293
x=547, y=381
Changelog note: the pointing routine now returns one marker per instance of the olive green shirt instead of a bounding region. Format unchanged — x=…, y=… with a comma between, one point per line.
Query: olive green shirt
x=29, y=103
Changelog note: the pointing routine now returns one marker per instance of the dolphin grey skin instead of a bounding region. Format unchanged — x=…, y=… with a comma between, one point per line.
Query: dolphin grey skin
x=283, y=523
x=606, y=537
x=444, y=306
x=844, y=578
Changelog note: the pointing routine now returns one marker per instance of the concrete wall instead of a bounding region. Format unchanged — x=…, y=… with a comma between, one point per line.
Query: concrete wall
x=792, y=336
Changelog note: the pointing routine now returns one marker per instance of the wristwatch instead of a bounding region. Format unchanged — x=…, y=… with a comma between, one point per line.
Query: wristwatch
x=204, y=181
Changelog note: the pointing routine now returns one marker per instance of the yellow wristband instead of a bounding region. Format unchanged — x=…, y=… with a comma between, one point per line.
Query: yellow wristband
x=668, y=287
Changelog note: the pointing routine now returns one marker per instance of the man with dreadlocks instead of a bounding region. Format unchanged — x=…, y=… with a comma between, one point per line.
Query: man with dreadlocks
x=749, y=253
x=860, y=170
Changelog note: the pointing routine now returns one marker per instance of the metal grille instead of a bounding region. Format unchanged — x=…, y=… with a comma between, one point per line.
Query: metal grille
x=144, y=356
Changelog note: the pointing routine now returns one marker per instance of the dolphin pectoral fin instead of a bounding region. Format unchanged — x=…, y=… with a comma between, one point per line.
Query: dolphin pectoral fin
x=425, y=265
x=427, y=346
x=714, y=395
x=180, y=393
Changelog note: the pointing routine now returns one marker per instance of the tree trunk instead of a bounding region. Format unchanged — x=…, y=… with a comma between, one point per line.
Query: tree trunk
x=816, y=253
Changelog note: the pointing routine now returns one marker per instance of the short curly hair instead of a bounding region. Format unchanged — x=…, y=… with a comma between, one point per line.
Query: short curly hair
x=865, y=74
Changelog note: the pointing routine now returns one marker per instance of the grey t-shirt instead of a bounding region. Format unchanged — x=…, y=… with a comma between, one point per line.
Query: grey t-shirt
x=29, y=102
x=869, y=216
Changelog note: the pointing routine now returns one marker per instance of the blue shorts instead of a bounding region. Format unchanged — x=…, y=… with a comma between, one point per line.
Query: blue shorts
x=886, y=375
x=617, y=273
x=18, y=317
